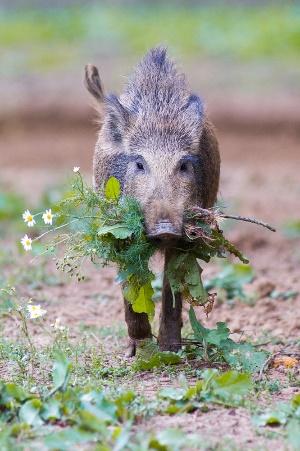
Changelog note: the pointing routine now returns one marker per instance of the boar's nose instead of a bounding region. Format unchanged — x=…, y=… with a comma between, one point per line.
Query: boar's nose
x=164, y=230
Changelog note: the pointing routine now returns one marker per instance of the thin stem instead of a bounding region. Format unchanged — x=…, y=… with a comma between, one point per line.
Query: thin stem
x=53, y=230
x=252, y=220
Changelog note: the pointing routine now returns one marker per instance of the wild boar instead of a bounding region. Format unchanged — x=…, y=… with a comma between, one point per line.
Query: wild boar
x=157, y=140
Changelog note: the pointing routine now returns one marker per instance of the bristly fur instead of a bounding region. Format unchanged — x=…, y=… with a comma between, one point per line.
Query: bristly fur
x=157, y=97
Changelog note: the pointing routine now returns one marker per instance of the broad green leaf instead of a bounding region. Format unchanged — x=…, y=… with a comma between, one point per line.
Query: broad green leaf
x=231, y=385
x=119, y=231
x=271, y=418
x=61, y=372
x=68, y=438
x=30, y=412
x=192, y=279
x=12, y=392
x=157, y=360
x=112, y=189
x=293, y=432
x=216, y=336
x=51, y=410
x=200, y=332
x=296, y=401
x=130, y=292
x=95, y=418
x=143, y=302
x=175, y=394
x=244, y=356
x=173, y=439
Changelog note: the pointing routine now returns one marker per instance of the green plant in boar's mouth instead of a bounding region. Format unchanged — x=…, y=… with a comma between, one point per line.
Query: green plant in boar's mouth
x=108, y=227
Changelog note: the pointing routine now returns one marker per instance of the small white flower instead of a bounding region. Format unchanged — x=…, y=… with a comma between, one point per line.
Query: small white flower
x=57, y=325
x=48, y=216
x=76, y=169
x=35, y=311
x=26, y=243
x=28, y=218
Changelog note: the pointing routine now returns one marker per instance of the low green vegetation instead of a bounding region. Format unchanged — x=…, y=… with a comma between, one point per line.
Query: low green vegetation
x=63, y=393
x=66, y=387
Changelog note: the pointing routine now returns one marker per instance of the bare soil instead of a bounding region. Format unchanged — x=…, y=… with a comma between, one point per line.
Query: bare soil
x=260, y=178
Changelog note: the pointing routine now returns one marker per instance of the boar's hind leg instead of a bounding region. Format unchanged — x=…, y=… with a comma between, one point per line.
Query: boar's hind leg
x=138, y=328
x=169, y=337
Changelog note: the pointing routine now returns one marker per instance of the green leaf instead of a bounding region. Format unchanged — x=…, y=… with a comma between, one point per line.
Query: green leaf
x=10, y=392
x=216, y=336
x=68, y=438
x=176, y=394
x=293, y=433
x=231, y=385
x=174, y=439
x=244, y=356
x=157, y=360
x=96, y=417
x=51, y=410
x=119, y=231
x=200, y=332
x=112, y=189
x=143, y=303
x=60, y=373
x=192, y=279
x=271, y=418
x=30, y=412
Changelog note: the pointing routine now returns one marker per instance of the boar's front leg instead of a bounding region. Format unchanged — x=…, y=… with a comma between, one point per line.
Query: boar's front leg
x=169, y=337
x=138, y=328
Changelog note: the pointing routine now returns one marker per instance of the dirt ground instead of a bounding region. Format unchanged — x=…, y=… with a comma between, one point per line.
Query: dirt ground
x=260, y=178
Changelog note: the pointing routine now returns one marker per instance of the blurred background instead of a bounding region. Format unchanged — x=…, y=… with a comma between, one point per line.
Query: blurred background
x=241, y=56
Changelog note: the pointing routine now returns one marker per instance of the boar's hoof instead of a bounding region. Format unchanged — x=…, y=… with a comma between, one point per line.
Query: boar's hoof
x=171, y=347
x=131, y=349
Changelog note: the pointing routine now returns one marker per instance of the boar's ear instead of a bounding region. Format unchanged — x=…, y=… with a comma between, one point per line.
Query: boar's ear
x=194, y=113
x=93, y=82
x=194, y=107
x=117, y=119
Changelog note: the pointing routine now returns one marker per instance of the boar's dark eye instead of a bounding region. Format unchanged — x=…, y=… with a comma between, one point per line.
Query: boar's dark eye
x=139, y=166
x=183, y=167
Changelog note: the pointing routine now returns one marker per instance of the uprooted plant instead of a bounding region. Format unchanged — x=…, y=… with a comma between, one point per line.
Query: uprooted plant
x=107, y=227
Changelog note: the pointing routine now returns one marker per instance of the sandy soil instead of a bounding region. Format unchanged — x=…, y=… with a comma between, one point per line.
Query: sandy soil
x=260, y=177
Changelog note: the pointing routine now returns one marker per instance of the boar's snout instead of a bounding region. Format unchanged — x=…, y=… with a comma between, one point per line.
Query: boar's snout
x=162, y=221
x=164, y=230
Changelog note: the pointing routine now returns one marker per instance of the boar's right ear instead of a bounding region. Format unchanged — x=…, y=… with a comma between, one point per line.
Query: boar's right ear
x=118, y=118
x=93, y=82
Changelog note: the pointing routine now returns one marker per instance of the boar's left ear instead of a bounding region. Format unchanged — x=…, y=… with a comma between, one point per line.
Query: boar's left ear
x=118, y=117
x=194, y=113
x=195, y=104
x=93, y=82
x=194, y=110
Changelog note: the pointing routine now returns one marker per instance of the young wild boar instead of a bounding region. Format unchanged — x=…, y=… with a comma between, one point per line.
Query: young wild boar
x=156, y=139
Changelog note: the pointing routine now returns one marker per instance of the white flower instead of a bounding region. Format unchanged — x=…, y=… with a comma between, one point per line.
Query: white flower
x=35, y=311
x=57, y=325
x=27, y=216
x=76, y=169
x=26, y=243
x=48, y=216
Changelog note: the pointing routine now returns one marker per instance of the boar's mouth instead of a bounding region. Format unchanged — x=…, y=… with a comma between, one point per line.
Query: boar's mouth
x=164, y=231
